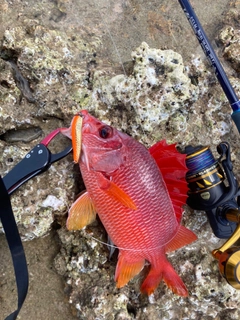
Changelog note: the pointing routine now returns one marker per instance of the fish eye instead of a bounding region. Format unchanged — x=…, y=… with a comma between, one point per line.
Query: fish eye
x=105, y=132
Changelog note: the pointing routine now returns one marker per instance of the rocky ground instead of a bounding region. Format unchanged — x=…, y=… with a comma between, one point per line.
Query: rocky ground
x=135, y=65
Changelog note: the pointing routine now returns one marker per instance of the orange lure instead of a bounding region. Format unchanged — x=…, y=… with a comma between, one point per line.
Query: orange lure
x=138, y=195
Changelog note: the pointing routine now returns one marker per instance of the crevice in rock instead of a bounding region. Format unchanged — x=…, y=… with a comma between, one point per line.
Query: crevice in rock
x=21, y=135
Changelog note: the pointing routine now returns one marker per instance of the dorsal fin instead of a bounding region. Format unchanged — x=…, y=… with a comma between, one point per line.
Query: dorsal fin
x=173, y=168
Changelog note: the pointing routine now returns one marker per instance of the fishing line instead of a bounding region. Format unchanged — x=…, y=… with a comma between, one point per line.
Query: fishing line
x=126, y=249
x=120, y=59
x=87, y=235
x=110, y=36
x=200, y=160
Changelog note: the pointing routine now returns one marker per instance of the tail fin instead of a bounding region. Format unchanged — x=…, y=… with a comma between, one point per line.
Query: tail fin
x=170, y=277
x=151, y=282
x=174, y=282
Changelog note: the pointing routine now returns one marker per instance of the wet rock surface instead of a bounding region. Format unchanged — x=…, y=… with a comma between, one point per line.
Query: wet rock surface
x=57, y=58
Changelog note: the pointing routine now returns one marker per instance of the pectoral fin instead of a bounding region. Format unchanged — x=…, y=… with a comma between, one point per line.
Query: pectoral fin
x=112, y=190
x=81, y=213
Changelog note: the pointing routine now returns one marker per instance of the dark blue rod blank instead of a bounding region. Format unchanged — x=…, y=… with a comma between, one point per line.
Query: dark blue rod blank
x=214, y=61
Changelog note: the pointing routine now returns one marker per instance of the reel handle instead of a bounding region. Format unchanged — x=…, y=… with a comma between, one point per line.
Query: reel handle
x=208, y=192
x=228, y=256
x=229, y=266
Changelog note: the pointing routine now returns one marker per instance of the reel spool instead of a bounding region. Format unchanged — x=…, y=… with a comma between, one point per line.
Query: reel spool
x=205, y=178
x=214, y=189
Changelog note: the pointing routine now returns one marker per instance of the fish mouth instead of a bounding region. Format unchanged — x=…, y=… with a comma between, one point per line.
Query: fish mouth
x=85, y=116
x=89, y=123
x=85, y=125
x=83, y=113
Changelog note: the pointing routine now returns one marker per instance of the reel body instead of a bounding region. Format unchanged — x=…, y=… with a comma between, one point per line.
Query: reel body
x=213, y=188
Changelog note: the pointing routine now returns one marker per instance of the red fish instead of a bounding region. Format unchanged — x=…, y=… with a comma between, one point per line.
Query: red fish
x=138, y=195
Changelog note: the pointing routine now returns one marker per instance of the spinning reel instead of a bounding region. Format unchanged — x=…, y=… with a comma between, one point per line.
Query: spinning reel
x=214, y=189
x=213, y=186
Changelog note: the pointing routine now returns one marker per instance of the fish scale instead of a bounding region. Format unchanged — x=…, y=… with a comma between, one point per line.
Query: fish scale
x=157, y=208
x=126, y=188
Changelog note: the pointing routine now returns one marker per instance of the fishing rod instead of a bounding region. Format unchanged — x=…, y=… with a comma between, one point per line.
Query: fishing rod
x=212, y=184
x=214, y=61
